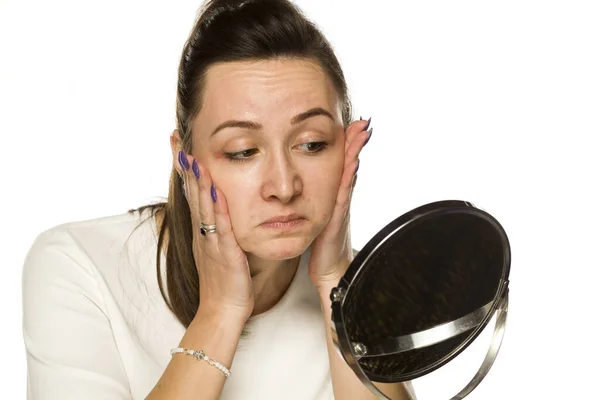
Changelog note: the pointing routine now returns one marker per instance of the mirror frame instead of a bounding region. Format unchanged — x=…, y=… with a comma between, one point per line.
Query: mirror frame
x=499, y=305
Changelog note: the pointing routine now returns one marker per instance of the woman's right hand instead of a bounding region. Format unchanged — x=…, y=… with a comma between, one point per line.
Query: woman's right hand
x=223, y=271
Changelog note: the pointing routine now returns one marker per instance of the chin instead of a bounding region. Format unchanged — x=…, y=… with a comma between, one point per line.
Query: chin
x=282, y=248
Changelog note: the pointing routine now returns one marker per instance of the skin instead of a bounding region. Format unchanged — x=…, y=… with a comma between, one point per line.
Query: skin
x=279, y=176
x=281, y=173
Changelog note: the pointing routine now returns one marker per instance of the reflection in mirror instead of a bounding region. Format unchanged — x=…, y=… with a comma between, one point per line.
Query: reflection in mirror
x=420, y=292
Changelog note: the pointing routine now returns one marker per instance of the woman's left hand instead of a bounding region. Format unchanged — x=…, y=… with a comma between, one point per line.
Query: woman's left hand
x=332, y=250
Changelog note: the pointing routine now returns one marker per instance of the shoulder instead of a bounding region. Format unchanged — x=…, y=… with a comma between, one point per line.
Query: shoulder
x=74, y=247
x=67, y=321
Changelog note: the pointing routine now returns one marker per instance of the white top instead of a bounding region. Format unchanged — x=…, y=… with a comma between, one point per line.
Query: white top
x=96, y=326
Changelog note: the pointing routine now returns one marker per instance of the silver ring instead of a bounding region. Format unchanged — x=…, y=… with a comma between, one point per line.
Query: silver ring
x=204, y=228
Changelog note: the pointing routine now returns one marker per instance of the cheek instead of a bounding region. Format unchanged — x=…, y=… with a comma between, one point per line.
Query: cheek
x=238, y=191
x=322, y=188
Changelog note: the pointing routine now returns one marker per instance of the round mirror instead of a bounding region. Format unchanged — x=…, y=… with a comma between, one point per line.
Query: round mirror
x=420, y=292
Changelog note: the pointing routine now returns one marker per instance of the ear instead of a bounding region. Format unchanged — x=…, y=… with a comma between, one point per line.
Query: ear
x=176, y=146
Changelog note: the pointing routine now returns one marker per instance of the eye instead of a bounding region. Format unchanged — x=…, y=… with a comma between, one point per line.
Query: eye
x=314, y=147
x=241, y=155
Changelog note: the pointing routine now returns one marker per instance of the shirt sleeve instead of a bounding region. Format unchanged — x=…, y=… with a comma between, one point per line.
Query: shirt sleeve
x=71, y=351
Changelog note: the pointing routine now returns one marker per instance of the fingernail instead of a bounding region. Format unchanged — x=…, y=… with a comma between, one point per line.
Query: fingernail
x=368, y=123
x=357, y=165
x=183, y=160
x=213, y=193
x=360, y=118
x=196, y=169
x=369, y=138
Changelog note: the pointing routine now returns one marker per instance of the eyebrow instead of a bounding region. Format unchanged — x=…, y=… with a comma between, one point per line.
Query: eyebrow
x=313, y=112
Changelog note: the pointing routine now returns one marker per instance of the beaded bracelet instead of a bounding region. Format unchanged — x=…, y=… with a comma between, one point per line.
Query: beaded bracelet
x=200, y=355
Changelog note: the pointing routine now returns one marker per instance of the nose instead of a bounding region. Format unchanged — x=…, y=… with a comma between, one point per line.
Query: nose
x=282, y=180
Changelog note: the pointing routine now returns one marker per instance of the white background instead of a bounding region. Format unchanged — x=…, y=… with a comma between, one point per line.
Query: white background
x=494, y=103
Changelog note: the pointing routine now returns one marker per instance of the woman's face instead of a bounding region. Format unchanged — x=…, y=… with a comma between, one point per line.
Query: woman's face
x=271, y=135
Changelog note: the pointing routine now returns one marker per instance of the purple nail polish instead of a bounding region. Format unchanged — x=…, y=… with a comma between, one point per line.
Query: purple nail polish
x=368, y=138
x=183, y=160
x=196, y=169
x=213, y=193
x=357, y=165
x=368, y=123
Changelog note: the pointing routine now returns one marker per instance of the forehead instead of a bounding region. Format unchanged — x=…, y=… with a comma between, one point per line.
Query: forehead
x=267, y=88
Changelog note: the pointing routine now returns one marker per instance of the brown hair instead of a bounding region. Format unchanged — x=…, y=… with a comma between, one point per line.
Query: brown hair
x=227, y=30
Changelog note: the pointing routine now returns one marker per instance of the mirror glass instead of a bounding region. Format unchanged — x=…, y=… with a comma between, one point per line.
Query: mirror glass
x=420, y=292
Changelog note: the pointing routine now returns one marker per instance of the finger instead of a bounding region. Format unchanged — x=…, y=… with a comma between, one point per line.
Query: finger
x=205, y=210
x=354, y=179
x=353, y=184
x=187, y=175
x=227, y=242
x=182, y=166
x=347, y=182
x=354, y=147
x=342, y=201
x=341, y=210
x=353, y=150
x=356, y=128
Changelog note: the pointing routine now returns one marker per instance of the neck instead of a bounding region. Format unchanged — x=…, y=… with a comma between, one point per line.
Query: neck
x=270, y=278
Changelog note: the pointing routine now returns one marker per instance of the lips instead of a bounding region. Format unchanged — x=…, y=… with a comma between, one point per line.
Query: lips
x=283, y=218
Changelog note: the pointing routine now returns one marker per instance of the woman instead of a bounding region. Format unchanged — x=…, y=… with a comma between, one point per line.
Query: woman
x=233, y=273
